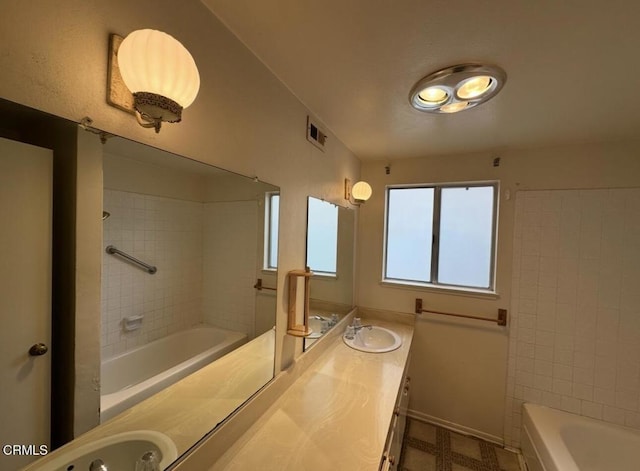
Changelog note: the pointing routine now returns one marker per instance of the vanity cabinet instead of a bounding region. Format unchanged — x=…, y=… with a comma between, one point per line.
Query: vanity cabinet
x=393, y=446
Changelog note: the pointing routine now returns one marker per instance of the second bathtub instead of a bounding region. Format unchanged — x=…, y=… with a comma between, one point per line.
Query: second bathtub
x=133, y=376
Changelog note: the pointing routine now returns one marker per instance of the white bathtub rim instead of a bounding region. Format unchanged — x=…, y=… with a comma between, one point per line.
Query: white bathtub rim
x=236, y=336
x=553, y=448
x=108, y=400
x=114, y=403
x=200, y=326
x=550, y=447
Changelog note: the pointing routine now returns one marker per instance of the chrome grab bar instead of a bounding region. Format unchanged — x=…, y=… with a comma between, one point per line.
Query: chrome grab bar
x=111, y=250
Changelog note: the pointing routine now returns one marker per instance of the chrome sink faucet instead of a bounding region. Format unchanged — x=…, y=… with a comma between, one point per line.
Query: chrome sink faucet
x=148, y=462
x=359, y=327
x=98, y=465
x=356, y=327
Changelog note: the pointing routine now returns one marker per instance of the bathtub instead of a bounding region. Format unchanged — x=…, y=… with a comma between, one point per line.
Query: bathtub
x=133, y=376
x=553, y=440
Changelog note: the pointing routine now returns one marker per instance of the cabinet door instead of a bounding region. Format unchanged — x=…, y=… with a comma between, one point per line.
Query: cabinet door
x=393, y=447
x=389, y=460
x=403, y=406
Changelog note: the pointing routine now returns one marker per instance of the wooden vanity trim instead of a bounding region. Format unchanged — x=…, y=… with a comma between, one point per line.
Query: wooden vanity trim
x=293, y=328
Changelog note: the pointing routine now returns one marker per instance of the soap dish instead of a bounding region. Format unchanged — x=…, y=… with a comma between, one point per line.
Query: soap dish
x=132, y=323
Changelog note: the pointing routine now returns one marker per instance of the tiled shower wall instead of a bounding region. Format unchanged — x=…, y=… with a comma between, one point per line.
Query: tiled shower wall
x=230, y=262
x=575, y=324
x=163, y=232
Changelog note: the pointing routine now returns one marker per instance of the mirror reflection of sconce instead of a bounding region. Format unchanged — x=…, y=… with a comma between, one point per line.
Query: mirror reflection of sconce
x=358, y=193
x=152, y=75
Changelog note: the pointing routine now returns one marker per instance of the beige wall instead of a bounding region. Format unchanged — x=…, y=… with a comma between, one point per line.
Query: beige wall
x=231, y=187
x=459, y=367
x=55, y=59
x=121, y=173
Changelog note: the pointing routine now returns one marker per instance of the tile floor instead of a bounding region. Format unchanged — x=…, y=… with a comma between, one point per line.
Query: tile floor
x=428, y=447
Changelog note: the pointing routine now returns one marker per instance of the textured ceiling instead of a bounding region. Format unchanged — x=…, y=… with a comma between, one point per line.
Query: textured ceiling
x=572, y=65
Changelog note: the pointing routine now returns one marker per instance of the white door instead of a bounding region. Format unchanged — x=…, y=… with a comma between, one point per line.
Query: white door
x=25, y=301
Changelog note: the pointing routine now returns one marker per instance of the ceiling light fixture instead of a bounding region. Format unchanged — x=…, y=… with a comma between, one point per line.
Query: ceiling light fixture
x=160, y=73
x=457, y=88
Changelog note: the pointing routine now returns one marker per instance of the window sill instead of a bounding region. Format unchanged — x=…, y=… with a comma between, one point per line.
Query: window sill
x=326, y=276
x=449, y=290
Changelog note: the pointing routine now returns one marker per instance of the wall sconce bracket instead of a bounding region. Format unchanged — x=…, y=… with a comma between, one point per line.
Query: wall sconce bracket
x=118, y=95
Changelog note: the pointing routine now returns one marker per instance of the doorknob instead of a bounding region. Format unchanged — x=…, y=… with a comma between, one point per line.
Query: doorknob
x=38, y=349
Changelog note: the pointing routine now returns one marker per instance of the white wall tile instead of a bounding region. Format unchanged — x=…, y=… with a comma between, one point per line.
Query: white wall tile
x=550, y=399
x=627, y=400
x=614, y=415
x=592, y=409
x=543, y=383
x=577, y=288
x=562, y=387
x=584, y=377
x=544, y=353
x=604, y=396
x=170, y=300
x=571, y=404
x=563, y=372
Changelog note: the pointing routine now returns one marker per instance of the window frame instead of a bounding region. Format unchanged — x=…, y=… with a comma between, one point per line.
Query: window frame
x=435, y=240
x=268, y=233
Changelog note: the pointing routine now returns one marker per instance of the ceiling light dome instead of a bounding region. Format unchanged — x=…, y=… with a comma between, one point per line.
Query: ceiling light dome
x=433, y=95
x=457, y=88
x=454, y=107
x=474, y=87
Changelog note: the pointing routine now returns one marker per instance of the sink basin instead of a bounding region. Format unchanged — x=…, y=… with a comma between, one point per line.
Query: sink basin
x=318, y=326
x=374, y=340
x=119, y=451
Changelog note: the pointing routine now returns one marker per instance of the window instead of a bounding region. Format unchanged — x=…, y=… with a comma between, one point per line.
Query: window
x=322, y=236
x=272, y=219
x=441, y=235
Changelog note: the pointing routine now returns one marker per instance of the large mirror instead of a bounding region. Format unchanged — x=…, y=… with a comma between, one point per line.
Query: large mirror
x=330, y=252
x=202, y=229
x=185, y=338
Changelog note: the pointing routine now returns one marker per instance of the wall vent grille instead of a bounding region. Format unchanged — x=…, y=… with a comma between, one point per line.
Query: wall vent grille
x=316, y=135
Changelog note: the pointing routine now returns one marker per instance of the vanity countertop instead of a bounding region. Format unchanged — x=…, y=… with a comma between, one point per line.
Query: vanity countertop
x=335, y=416
x=211, y=393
